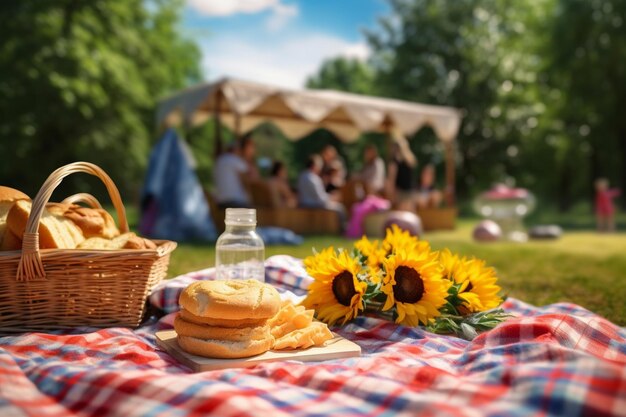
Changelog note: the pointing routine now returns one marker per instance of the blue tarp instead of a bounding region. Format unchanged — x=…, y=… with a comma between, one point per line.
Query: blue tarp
x=173, y=205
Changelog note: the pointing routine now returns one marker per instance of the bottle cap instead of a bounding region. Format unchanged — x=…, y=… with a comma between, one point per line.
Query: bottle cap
x=240, y=217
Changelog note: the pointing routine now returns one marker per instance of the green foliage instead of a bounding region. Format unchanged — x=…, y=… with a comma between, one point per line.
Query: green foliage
x=540, y=83
x=456, y=53
x=344, y=74
x=79, y=81
x=587, y=63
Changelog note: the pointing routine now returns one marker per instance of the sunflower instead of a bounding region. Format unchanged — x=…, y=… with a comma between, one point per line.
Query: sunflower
x=396, y=238
x=476, y=282
x=414, y=285
x=336, y=291
x=374, y=254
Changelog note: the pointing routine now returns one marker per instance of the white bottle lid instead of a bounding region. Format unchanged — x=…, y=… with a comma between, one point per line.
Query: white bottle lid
x=240, y=217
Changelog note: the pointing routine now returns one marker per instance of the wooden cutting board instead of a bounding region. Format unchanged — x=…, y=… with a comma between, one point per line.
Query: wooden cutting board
x=336, y=348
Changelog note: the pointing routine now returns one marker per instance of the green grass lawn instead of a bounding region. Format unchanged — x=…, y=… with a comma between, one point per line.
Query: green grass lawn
x=582, y=267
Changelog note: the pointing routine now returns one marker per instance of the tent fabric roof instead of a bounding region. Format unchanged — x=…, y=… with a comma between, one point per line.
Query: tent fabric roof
x=296, y=113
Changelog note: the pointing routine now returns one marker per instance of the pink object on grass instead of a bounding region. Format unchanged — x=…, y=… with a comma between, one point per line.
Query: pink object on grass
x=371, y=204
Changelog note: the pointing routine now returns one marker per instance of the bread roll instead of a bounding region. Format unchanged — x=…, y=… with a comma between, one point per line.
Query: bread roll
x=8, y=196
x=223, y=348
x=233, y=300
x=125, y=241
x=94, y=222
x=54, y=231
x=208, y=321
x=200, y=331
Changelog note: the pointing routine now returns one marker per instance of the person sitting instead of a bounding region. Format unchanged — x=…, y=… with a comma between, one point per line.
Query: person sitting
x=332, y=178
x=281, y=193
x=427, y=195
x=373, y=173
x=311, y=191
x=228, y=171
x=333, y=169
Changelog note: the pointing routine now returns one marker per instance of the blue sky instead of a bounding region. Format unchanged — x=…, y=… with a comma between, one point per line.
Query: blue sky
x=278, y=41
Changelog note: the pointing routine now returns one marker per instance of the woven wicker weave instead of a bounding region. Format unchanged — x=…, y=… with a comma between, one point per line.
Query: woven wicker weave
x=49, y=289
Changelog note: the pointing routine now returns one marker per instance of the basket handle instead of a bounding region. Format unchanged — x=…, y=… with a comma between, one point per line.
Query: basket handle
x=30, y=266
x=84, y=198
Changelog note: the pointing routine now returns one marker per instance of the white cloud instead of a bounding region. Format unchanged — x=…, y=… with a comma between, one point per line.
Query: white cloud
x=282, y=14
x=230, y=7
x=286, y=61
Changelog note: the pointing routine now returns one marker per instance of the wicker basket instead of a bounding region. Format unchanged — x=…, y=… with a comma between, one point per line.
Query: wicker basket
x=50, y=289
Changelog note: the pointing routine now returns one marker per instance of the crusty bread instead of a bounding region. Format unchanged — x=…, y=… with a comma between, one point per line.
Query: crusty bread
x=187, y=328
x=11, y=195
x=10, y=241
x=8, y=196
x=224, y=349
x=233, y=300
x=125, y=241
x=54, y=231
x=94, y=222
x=208, y=321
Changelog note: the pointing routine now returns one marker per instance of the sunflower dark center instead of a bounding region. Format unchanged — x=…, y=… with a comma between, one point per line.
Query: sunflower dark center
x=343, y=288
x=409, y=286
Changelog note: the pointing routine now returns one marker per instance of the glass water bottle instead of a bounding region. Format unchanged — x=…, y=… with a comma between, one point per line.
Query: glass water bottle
x=239, y=251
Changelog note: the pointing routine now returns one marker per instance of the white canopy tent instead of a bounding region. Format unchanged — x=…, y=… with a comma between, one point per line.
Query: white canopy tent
x=243, y=105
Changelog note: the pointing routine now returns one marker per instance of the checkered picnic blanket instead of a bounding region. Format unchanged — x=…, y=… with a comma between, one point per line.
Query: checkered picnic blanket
x=555, y=360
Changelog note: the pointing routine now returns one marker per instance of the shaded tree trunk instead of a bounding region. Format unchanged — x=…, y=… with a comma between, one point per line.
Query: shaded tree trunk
x=565, y=187
x=594, y=172
x=622, y=141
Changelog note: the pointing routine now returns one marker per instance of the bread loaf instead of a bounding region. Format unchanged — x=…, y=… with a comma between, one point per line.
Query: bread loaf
x=125, y=241
x=8, y=196
x=54, y=231
x=94, y=222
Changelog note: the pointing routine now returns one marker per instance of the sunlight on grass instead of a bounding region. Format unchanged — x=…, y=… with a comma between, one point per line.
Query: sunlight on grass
x=583, y=267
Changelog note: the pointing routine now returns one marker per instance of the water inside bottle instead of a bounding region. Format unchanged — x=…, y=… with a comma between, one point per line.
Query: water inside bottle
x=240, y=262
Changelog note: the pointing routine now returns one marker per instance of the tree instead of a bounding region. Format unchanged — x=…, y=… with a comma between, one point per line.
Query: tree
x=587, y=51
x=79, y=81
x=344, y=74
x=456, y=53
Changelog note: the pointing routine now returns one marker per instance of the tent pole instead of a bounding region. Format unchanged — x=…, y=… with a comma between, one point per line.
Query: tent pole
x=217, y=150
x=450, y=173
x=238, y=127
x=388, y=142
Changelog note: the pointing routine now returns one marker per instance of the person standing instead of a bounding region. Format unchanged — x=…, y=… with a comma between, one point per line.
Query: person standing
x=401, y=180
x=228, y=173
x=605, y=209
